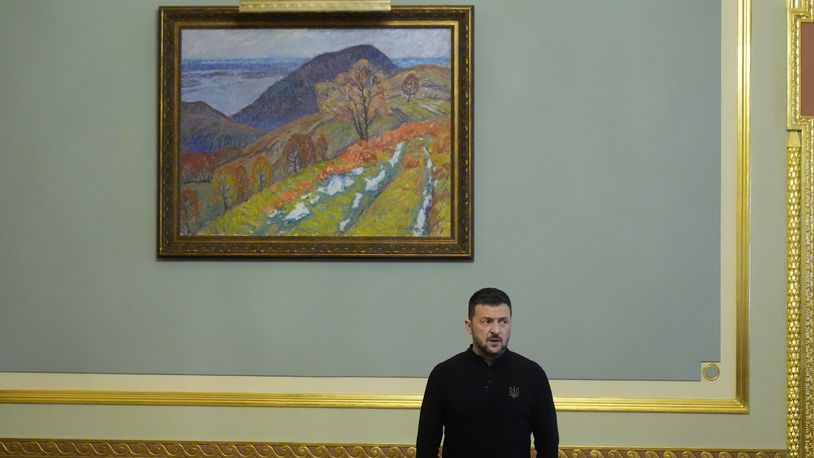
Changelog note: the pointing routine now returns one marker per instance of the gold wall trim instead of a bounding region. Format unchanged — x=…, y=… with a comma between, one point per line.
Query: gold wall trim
x=252, y=6
x=350, y=401
x=738, y=405
x=793, y=285
x=743, y=215
x=179, y=398
x=84, y=448
x=799, y=247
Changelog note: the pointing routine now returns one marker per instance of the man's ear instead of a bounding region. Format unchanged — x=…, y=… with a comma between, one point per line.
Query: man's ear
x=468, y=326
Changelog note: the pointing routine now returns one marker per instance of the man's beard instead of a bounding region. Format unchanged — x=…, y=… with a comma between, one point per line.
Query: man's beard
x=484, y=348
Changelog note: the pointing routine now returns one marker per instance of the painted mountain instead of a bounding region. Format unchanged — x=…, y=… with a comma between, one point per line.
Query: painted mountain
x=295, y=96
x=207, y=130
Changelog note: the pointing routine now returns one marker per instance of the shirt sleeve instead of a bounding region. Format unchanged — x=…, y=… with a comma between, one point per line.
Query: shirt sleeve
x=544, y=426
x=430, y=421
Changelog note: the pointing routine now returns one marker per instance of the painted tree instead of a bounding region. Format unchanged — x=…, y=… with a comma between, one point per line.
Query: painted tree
x=299, y=152
x=225, y=188
x=196, y=167
x=190, y=210
x=410, y=86
x=321, y=148
x=358, y=96
x=242, y=183
x=261, y=173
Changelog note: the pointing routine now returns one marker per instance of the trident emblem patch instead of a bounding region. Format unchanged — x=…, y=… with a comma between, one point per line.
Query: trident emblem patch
x=514, y=392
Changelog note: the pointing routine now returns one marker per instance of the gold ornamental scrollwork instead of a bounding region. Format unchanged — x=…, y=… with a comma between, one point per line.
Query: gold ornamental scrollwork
x=799, y=244
x=46, y=448
x=793, y=280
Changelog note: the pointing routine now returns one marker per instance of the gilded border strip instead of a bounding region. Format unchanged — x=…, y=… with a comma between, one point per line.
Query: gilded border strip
x=743, y=215
x=83, y=448
x=738, y=405
x=251, y=6
x=799, y=247
x=351, y=401
x=793, y=272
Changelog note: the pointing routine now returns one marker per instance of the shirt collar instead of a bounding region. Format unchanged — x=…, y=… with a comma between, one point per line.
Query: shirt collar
x=477, y=358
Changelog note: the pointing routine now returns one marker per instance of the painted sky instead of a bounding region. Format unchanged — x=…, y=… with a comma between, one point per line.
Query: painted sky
x=306, y=43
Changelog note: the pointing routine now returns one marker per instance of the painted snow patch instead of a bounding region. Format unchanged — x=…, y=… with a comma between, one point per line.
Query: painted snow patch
x=299, y=212
x=336, y=184
x=373, y=184
x=356, y=200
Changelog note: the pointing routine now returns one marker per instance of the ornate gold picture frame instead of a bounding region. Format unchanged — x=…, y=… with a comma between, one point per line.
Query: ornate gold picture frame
x=336, y=135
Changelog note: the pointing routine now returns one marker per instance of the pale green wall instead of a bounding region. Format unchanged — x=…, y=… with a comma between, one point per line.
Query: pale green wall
x=128, y=139
x=592, y=221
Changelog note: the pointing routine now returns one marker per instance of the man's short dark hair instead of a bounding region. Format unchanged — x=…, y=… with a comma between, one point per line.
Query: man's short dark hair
x=488, y=296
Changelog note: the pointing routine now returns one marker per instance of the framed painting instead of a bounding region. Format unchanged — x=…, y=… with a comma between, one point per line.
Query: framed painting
x=315, y=134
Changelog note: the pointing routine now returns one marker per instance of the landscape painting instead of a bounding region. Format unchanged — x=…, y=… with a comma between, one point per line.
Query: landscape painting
x=302, y=139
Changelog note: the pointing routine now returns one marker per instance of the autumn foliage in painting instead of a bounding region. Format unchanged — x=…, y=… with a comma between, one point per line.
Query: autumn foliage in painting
x=363, y=153
x=224, y=187
x=421, y=142
x=299, y=152
x=190, y=210
x=261, y=173
x=197, y=167
x=410, y=86
x=358, y=95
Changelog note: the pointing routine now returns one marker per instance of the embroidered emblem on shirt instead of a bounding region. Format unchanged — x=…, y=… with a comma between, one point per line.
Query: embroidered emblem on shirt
x=514, y=392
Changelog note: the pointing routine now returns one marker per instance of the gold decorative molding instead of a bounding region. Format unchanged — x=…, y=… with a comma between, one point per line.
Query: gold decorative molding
x=80, y=448
x=181, y=398
x=743, y=212
x=799, y=246
x=347, y=401
x=794, y=4
x=793, y=308
x=260, y=6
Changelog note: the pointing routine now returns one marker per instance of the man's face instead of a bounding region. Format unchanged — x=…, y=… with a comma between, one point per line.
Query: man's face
x=490, y=327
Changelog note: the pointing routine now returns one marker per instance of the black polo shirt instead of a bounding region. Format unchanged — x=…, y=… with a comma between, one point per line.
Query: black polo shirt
x=487, y=411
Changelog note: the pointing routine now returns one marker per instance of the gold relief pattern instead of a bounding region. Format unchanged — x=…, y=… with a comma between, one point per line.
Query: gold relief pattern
x=657, y=453
x=101, y=449
x=800, y=238
x=804, y=331
x=805, y=334
x=76, y=449
x=793, y=292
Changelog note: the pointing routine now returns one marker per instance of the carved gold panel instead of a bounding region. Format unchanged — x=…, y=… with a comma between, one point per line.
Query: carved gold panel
x=800, y=230
x=78, y=448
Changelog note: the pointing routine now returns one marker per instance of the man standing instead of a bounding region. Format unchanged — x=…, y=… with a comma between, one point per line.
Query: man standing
x=488, y=400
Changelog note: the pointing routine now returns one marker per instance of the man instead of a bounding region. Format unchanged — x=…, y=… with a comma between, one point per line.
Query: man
x=488, y=400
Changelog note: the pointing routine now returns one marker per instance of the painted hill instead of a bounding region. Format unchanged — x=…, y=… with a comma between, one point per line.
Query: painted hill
x=295, y=96
x=435, y=81
x=207, y=130
x=431, y=102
